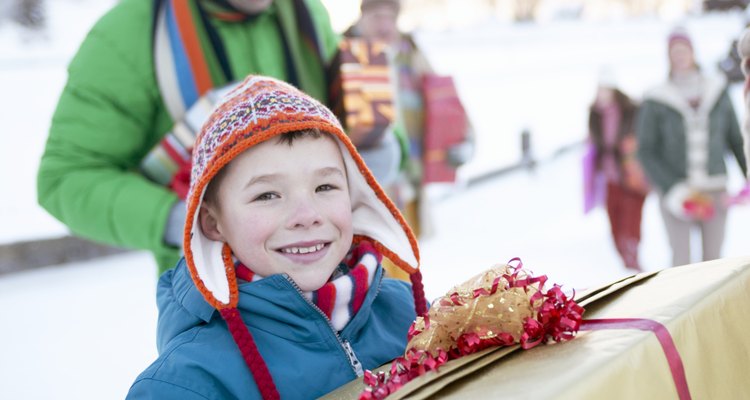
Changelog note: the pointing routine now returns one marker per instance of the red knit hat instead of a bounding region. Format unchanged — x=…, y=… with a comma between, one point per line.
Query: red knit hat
x=679, y=35
x=259, y=109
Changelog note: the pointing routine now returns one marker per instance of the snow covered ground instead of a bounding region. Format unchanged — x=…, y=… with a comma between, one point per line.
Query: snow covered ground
x=85, y=330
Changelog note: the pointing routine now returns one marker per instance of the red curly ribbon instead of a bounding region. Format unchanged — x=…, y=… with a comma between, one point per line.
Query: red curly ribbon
x=470, y=343
x=403, y=370
x=414, y=331
x=665, y=340
x=483, y=292
x=558, y=318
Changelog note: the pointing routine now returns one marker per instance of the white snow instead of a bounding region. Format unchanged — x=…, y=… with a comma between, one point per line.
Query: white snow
x=85, y=330
x=79, y=331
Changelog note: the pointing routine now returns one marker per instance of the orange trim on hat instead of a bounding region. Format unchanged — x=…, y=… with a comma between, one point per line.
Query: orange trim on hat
x=234, y=296
x=235, y=148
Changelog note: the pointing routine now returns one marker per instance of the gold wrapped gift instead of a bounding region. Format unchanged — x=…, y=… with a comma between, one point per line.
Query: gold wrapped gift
x=703, y=309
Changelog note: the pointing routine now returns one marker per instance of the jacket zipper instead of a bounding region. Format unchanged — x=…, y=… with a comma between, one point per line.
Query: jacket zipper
x=344, y=344
x=353, y=360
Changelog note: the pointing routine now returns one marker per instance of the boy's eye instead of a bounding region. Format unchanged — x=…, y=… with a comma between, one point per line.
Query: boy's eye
x=266, y=196
x=324, y=188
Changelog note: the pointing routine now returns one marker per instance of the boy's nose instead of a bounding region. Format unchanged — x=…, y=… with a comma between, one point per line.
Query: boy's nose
x=304, y=214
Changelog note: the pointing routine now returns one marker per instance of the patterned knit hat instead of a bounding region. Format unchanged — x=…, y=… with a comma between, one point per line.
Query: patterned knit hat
x=259, y=109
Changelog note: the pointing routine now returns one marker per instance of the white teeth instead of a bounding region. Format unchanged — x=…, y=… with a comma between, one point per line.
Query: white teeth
x=303, y=250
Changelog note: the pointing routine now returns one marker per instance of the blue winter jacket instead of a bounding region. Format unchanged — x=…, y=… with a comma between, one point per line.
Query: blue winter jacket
x=306, y=357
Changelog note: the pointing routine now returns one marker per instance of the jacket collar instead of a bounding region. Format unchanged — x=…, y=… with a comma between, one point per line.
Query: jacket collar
x=187, y=295
x=262, y=301
x=667, y=94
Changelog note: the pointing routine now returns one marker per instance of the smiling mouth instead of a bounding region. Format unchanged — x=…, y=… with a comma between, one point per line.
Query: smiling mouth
x=303, y=250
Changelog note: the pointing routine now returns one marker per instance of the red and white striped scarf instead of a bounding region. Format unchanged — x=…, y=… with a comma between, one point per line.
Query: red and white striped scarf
x=342, y=296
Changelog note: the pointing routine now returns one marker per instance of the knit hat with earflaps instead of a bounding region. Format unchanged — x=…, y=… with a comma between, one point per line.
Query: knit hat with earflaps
x=257, y=110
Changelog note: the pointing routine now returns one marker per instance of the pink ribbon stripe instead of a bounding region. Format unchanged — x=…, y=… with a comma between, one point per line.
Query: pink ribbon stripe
x=662, y=334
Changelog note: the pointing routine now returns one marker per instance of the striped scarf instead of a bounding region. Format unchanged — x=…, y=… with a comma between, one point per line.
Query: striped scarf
x=193, y=70
x=190, y=57
x=342, y=296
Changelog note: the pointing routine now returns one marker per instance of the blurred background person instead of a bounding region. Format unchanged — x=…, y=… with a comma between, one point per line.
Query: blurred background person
x=685, y=126
x=30, y=14
x=138, y=73
x=731, y=65
x=378, y=21
x=743, y=50
x=611, y=131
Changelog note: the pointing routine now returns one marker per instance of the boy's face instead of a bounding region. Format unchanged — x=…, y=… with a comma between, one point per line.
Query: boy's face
x=285, y=209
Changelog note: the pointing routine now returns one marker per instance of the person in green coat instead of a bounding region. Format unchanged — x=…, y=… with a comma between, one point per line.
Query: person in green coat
x=135, y=77
x=685, y=127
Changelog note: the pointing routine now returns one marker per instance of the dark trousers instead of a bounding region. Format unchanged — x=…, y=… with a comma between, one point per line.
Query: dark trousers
x=625, y=208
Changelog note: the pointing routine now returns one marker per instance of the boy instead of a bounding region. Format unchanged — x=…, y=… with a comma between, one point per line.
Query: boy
x=285, y=231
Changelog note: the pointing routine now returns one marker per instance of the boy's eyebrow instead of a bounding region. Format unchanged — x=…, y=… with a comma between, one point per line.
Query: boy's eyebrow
x=326, y=171
x=331, y=171
x=260, y=179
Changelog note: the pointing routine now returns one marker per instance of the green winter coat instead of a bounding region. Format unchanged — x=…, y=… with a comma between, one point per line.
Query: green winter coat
x=664, y=123
x=110, y=114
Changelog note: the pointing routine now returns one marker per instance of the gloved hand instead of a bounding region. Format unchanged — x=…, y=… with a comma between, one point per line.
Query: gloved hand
x=459, y=154
x=689, y=204
x=383, y=159
x=745, y=192
x=742, y=197
x=175, y=229
x=699, y=206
